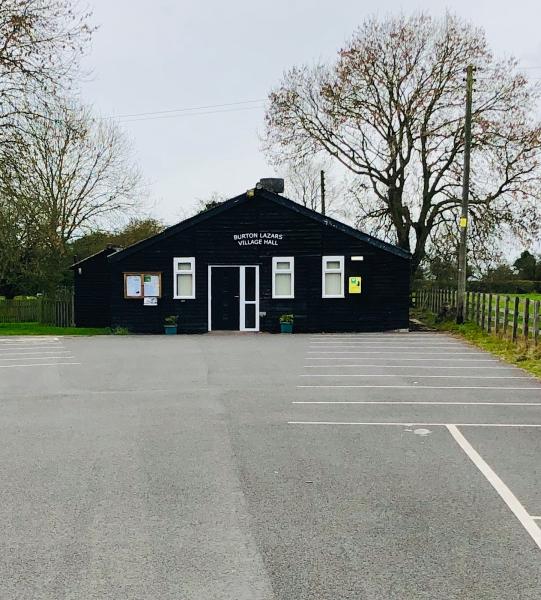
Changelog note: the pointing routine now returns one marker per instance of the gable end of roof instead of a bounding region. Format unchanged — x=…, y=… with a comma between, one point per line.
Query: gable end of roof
x=250, y=197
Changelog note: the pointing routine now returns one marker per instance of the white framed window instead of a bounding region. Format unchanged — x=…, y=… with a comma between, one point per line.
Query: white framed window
x=283, y=277
x=184, y=278
x=332, y=277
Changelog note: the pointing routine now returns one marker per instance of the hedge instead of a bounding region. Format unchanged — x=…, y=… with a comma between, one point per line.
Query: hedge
x=513, y=286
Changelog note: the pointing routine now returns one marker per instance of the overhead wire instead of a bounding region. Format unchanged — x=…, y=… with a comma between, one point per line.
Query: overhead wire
x=245, y=105
x=188, y=111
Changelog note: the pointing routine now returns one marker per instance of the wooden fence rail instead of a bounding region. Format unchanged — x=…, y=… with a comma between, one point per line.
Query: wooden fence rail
x=19, y=311
x=509, y=316
x=48, y=311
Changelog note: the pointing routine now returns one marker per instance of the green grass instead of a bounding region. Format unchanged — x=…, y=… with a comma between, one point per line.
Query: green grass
x=530, y=296
x=525, y=357
x=522, y=297
x=38, y=329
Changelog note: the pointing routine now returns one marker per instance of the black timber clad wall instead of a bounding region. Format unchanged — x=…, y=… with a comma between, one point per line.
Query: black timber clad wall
x=383, y=303
x=92, y=299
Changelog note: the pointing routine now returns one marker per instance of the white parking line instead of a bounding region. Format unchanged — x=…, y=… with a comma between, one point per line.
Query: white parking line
x=389, y=343
x=468, y=353
x=424, y=387
x=400, y=357
x=32, y=347
x=383, y=336
x=419, y=376
x=397, y=341
x=505, y=493
x=383, y=366
x=38, y=365
x=380, y=347
x=411, y=424
x=37, y=358
x=58, y=350
x=417, y=342
x=31, y=341
x=23, y=340
x=36, y=344
x=408, y=402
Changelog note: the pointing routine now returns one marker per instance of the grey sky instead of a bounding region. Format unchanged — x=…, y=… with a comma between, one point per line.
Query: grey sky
x=161, y=55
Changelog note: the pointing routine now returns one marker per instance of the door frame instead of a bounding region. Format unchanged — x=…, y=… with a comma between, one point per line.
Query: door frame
x=242, y=292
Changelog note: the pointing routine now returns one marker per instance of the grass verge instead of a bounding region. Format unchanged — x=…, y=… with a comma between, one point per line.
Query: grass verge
x=525, y=357
x=39, y=329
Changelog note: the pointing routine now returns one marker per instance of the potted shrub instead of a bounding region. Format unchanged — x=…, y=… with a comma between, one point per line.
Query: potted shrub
x=286, y=323
x=170, y=325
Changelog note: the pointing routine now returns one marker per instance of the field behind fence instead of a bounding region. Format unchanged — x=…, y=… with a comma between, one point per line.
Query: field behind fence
x=56, y=311
x=514, y=317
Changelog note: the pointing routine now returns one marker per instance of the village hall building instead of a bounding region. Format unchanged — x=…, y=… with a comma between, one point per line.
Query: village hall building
x=242, y=265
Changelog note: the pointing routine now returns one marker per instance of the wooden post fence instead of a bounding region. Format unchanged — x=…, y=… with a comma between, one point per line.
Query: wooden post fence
x=497, y=323
x=515, y=318
x=536, y=322
x=526, y=320
x=483, y=311
x=505, y=316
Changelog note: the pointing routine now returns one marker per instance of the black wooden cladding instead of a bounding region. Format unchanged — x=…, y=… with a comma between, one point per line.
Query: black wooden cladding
x=92, y=291
x=382, y=304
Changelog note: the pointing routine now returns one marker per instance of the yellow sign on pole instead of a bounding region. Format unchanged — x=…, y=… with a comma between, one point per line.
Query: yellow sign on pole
x=463, y=221
x=355, y=285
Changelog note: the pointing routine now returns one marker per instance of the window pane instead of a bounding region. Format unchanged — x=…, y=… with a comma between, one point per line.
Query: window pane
x=184, y=285
x=284, y=264
x=249, y=283
x=332, y=264
x=333, y=284
x=282, y=286
x=184, y=266
x=249, y=316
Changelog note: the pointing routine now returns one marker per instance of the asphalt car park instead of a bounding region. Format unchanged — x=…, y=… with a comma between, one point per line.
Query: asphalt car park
x=325, y=466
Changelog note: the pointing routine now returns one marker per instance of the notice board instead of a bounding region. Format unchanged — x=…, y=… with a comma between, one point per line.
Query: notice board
x=132, y=286
x=142, y=285
x=151, y=285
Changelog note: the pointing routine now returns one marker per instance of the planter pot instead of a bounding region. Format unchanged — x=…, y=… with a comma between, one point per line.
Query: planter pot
x=170, y=329
x=286, y=327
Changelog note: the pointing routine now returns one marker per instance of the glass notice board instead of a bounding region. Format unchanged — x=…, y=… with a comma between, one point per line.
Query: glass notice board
x=142, y=285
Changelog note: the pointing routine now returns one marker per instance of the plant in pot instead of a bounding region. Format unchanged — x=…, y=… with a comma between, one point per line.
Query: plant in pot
x=286, y=323
x=170, y=325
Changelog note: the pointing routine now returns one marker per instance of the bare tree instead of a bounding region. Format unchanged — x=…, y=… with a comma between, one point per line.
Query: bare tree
x=67, y=172
x=40, y=42
x=303, y=184
x=390, y=110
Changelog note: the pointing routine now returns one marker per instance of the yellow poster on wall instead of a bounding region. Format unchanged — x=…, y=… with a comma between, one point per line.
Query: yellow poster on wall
x=355, y=285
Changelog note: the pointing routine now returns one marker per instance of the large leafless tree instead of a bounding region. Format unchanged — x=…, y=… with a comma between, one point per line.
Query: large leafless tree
x=40, y=43
x=63, y=173
x=68, y=172
x=391, y=111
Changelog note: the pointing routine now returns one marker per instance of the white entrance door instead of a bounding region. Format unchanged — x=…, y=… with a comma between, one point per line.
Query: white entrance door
x=233, y=291
x=249, y=298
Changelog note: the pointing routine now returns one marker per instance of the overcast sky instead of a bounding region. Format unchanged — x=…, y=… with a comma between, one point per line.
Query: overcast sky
x=170, y=54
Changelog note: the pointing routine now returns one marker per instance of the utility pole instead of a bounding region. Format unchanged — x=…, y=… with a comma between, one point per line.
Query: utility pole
x=322, y=176
x=463, y=224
